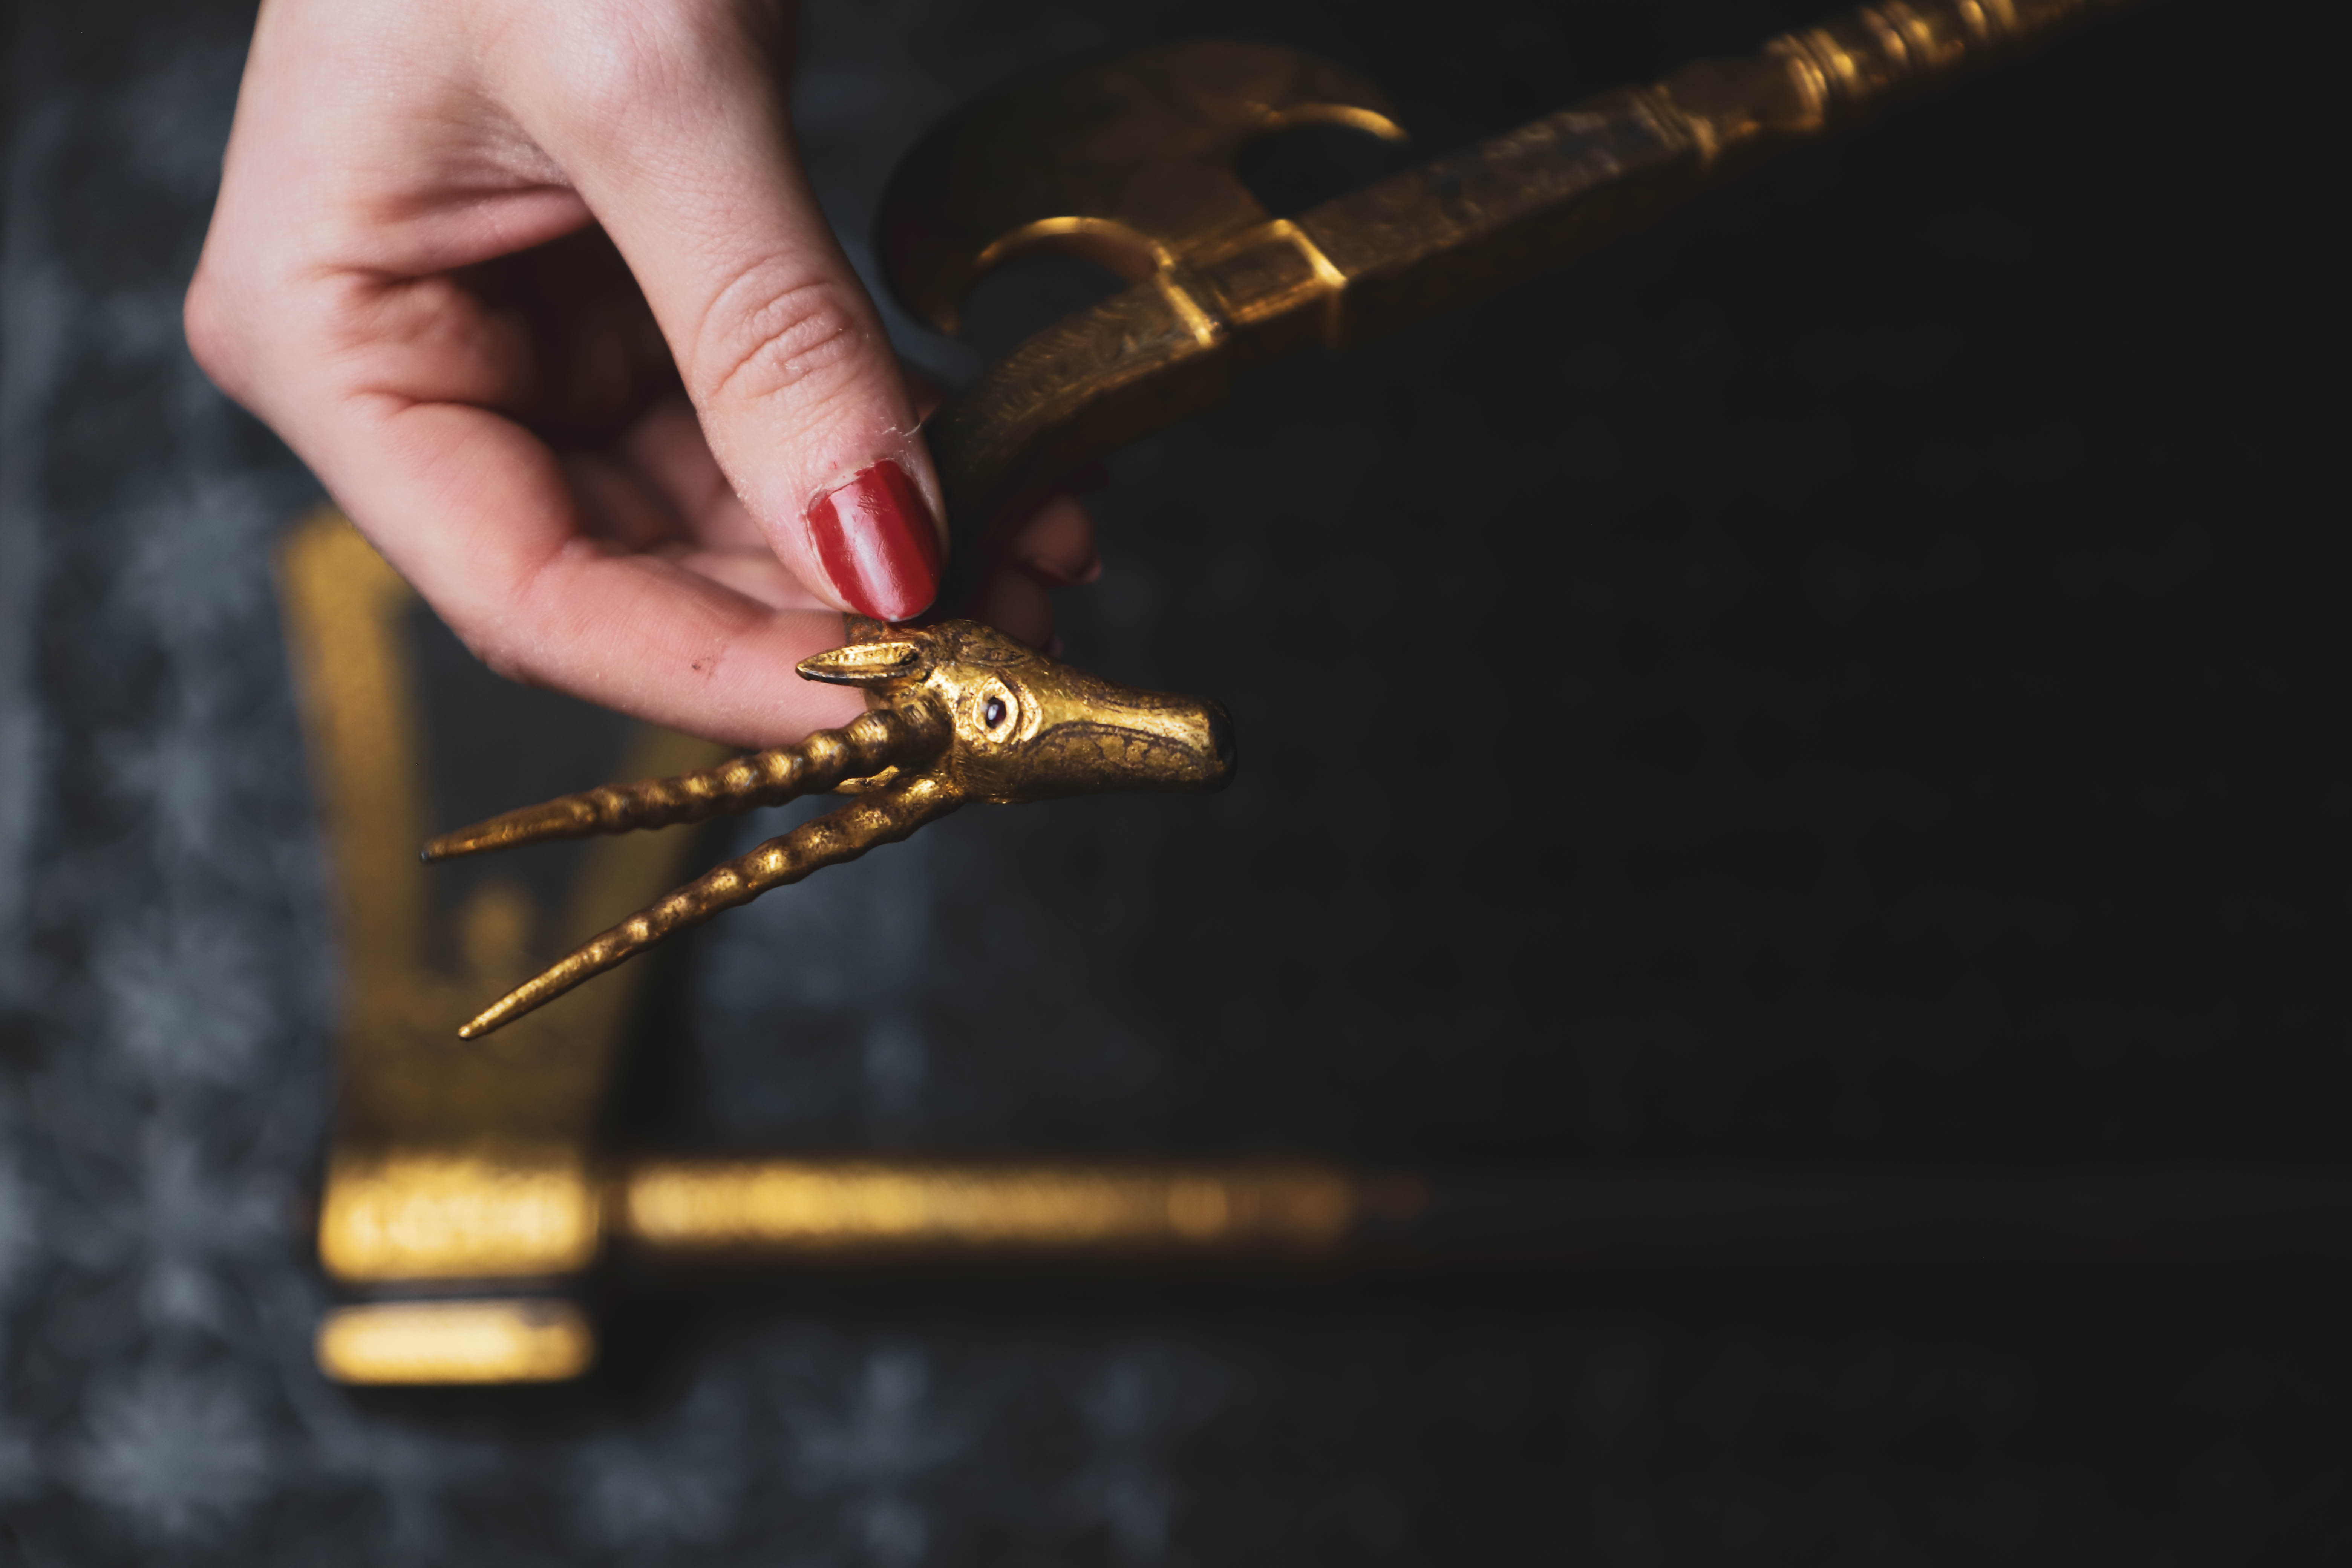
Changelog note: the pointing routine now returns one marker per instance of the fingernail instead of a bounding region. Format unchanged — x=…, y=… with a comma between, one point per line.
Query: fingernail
x=875, y=539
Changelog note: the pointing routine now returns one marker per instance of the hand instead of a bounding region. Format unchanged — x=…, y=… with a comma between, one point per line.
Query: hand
x=540, y=292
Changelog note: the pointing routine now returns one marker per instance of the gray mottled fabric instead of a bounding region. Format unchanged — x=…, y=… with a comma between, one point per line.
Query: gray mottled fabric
x=1892, y=742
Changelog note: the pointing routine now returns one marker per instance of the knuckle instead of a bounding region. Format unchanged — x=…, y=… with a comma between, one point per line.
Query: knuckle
x=633, y=57
x=772, y=335
x=504, y=656
x=213, y=334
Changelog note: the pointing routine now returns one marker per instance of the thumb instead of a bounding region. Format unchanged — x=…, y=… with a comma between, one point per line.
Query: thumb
x=674, y=131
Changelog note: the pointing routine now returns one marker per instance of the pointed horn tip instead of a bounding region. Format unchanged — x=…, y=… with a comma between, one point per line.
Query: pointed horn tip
x=528, y=998
x=498, y=1013
x=454, y=846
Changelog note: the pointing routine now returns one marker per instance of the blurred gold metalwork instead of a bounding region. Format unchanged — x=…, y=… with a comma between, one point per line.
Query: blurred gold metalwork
x=457, y=1166
x=477, y=1215
x=681, y=1208
x=664, y=1213
x=960, y=713
x=1129, y=160
x=448, y=1162
x=535, y=1341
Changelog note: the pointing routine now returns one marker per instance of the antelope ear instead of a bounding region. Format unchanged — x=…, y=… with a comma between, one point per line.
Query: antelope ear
x=882, y=663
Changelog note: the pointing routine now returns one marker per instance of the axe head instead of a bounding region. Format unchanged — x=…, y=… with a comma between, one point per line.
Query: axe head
x=1126, y=160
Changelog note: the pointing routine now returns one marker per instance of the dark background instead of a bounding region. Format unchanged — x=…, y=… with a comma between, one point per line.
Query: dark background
x=1895, y=739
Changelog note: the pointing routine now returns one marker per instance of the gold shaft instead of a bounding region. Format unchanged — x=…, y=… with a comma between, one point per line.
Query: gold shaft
x=428, y=1223
x=689, y=1211
x=683, y=1210
x=1442, y=237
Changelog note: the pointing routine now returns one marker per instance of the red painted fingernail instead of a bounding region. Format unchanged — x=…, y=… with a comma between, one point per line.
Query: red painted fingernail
x=875, y=540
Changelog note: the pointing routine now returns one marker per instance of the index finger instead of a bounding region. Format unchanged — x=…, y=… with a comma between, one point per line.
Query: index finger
x=476, y=512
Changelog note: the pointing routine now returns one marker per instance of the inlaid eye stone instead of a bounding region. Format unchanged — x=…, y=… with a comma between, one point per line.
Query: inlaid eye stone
x=995, y=712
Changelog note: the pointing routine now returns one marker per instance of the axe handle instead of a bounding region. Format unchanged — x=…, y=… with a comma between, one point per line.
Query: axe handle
x=686, y=1213
x=1440, y=237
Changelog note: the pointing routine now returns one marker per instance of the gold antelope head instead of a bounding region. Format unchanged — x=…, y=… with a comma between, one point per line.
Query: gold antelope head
x=959, y=712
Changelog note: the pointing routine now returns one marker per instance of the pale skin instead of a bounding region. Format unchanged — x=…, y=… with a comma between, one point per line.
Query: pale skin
x=538, y=290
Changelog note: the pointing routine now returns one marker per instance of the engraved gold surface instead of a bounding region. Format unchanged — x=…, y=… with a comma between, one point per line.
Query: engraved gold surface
x=456, y=1342
x=1129, y=160
x=683, y=1208
x=962, y=713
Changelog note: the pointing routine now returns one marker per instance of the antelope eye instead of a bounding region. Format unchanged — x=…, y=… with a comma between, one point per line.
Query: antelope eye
x=993, y=712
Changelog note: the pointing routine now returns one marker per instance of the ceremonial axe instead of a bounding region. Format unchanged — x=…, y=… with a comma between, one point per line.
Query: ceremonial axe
x=1130, y=161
